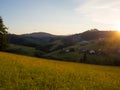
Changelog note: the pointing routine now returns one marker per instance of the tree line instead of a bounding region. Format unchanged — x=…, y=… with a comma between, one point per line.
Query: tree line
x=3, y=32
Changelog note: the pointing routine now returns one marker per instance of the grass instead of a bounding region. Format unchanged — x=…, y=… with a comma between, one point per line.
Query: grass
x=20, y=49
x=19, y=72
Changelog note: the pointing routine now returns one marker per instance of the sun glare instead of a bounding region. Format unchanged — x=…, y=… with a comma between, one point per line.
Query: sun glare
x=117, y=27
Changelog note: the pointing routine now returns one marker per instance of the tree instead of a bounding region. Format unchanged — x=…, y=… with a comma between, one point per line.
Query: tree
x=3, y=32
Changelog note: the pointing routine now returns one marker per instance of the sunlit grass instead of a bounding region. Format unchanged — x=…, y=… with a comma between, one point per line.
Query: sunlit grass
x=27, y=73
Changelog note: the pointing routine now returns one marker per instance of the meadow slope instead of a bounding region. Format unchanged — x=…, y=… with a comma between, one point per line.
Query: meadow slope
x=19, y=72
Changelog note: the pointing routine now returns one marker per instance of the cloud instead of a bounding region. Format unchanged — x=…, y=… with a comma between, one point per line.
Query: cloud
x=102, y=11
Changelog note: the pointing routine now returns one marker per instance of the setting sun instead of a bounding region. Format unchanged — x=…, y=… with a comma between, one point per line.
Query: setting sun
x=117, y=26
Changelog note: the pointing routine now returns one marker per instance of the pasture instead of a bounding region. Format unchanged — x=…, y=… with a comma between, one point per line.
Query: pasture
x=19, y=72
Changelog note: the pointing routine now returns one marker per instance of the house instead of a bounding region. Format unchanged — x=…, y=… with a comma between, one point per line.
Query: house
x=81, y=50
x=91, y=51
x=67, y=50
x=84, y=42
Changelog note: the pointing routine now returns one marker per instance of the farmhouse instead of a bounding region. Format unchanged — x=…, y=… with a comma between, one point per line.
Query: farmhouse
x=67, y=50
x=91, y=51
x=84, y=42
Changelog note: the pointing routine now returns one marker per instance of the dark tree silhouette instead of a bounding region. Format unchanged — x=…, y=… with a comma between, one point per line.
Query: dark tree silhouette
x=3, y=32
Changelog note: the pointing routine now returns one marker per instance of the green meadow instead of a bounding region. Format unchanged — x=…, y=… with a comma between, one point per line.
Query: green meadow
x=19, y=72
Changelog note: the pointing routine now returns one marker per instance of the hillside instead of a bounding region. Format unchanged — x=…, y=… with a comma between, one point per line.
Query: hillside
x=105, y=45
x=26, y=73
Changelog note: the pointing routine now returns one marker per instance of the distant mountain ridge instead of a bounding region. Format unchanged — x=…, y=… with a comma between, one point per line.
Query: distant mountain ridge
x=38, y=38
x=90, y=34
x=38, y=34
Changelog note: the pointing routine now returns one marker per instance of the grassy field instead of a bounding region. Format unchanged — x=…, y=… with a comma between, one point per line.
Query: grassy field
x=26, y=73
x=20, y=49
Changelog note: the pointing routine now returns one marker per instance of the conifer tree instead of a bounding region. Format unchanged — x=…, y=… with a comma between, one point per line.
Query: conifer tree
x=3, y=37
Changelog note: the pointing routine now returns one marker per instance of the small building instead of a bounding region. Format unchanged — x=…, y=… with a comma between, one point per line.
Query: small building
x=84, y=42
x=67, y=50
x=91, y=51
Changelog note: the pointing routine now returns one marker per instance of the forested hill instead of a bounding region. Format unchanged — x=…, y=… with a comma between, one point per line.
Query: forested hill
x=104, y=44
x=34, y=39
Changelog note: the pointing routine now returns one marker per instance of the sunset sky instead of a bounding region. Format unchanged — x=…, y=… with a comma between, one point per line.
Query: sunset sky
x=60, y=17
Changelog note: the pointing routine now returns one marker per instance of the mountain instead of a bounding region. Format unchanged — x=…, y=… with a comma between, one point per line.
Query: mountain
x=38, y=35
x=92, y=35
x=35, y=39
x=54, y=42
